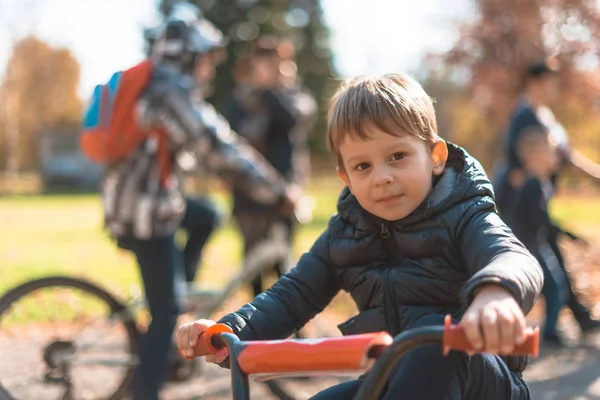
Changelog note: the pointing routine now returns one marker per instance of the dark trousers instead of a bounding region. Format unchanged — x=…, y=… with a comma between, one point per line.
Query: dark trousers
x=163, y=267
x=200, y=220
x=424, y=373
x=580, y=312
x=555, y=289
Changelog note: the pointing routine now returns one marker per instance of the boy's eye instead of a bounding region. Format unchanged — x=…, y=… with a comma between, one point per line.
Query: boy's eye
x=362, y=166
x=398, y=156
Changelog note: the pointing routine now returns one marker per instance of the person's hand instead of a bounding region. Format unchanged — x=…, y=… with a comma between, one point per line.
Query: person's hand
x=494, y=322
x=293, y=194
x=187, y=337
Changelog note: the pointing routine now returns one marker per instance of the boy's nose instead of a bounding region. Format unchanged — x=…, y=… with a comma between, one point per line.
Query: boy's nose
x=383, y=178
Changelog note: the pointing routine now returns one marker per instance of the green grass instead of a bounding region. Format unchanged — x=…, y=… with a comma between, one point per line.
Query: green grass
x=579, y=213
x=46, y=235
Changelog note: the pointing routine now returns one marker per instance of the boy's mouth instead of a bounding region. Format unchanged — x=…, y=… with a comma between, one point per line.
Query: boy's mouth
x=389, y=198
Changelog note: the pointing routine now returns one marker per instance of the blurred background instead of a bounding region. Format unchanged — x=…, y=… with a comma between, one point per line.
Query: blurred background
x=468, y=54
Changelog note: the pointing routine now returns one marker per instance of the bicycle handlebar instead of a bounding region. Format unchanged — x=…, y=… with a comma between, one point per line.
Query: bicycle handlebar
x=453, y=338
x=208, y=343
x=378, y=352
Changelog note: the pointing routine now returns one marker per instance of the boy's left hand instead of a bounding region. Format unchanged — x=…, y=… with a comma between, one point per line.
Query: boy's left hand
x=494, y=322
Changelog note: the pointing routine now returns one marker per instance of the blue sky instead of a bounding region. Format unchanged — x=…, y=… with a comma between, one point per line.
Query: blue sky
x=386, y=35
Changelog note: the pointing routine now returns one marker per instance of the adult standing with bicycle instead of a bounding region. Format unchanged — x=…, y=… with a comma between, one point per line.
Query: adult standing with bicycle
x=142, y=195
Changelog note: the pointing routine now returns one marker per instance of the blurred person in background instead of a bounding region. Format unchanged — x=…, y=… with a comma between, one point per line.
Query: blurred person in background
x=531, y=221
x=271, y=109
x=144, y=209
x=541, y=90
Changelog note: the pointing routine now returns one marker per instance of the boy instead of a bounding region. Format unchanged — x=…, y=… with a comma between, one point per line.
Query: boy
x=532, y=224
x=416, y=237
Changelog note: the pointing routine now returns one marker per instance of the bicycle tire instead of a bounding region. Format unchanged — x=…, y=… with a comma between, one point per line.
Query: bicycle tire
x=115, y=307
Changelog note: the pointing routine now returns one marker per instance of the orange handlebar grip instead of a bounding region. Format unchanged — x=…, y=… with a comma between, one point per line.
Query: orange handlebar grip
x=204, y=345
x=455, y=339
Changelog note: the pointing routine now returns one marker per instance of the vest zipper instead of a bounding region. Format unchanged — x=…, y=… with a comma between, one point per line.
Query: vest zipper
x=388, y=298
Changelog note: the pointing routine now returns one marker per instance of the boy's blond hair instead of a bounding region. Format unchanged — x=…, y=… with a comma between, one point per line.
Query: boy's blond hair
x=394, y=103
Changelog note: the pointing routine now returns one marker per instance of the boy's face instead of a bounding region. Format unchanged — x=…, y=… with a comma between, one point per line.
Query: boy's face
x=542, y=160
x=390, y=175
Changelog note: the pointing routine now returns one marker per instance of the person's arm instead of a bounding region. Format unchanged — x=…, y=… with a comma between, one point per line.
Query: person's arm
x=535, y=210
x=292, y=301
x=584, y=165
x=201, y=129
x=493, y=255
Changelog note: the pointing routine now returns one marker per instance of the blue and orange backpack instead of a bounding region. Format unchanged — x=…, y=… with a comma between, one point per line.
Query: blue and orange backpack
x=110, y=131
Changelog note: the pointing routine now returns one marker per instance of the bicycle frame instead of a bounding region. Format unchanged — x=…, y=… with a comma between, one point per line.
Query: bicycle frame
x=376, y=352
x=262, y=256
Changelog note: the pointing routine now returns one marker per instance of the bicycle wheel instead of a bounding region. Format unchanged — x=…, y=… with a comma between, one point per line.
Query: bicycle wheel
x=65, y=338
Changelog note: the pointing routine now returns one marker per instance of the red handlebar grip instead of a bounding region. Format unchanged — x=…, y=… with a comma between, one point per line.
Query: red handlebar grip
x=204, y=346
x=455, y=339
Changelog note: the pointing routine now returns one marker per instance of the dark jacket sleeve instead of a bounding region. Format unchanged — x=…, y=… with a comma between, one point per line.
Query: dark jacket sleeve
x=202, y=130
x=283, y=118
x=492, y=254
x=291, y=302
x=250, y=125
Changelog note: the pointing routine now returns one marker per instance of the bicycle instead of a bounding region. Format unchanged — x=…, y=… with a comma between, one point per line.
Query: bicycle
x=377, y=353
x=107, y=340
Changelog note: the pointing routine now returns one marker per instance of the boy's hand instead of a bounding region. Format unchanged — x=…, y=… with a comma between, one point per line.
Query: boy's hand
x=187, y=336
x=494, y=322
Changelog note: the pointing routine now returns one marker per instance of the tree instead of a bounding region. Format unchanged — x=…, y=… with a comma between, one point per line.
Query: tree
x=508, y=35
x=41, y=94
x=300, y=21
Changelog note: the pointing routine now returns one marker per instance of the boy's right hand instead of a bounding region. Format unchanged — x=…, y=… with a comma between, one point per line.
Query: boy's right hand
x=187, y=337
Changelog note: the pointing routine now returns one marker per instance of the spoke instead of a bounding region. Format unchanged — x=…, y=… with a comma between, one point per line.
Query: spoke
x=131, y=362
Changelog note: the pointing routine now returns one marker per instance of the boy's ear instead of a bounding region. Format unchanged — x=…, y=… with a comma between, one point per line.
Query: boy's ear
x=439, y=156
x=342, y=174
